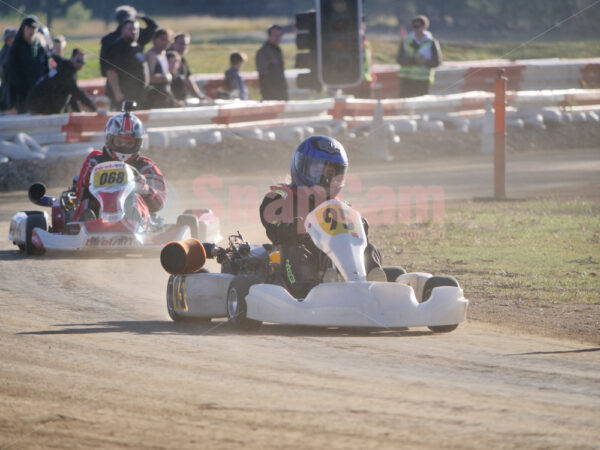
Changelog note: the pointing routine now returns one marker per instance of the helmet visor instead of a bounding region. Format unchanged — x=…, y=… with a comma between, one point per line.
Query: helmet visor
x=324, y=173
x=124, y=144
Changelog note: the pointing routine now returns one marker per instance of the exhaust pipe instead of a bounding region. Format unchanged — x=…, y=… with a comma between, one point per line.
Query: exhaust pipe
x=37, y=195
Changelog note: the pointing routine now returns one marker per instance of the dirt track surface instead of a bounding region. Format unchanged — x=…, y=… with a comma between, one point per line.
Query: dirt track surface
x=90, y=359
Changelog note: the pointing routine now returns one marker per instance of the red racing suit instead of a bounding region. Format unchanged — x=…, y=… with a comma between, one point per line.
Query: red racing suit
x=152, y=197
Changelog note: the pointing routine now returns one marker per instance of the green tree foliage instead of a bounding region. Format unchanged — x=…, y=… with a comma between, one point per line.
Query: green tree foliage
x=77, y=13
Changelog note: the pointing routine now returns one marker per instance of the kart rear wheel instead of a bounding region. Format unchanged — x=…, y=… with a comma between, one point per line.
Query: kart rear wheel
x=393, y=272
x=191, y=221
x=236, y=302
x=171, y=307
x=430, y=284
x=34, y=221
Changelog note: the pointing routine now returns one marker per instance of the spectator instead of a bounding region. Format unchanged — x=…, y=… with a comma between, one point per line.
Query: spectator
x=234, y=83
x=52, y=93
x=8, y=37
x=59, y=44
x=365, y=89
x=182, y=83
x=127, y=70
x=122, y=14
x=174, y=61
x=27, y=63
x=418, y=55
x=159, y=92
x=269, y=63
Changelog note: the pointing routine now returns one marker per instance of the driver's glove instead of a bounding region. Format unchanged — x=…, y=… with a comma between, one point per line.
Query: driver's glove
x=141, y=184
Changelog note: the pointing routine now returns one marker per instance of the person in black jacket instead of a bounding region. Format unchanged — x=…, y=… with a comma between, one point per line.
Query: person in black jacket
x=270, y=66
x=5, y=98
x=123, y=14
x=27, y=63
x=53, y=92
x=127, y=73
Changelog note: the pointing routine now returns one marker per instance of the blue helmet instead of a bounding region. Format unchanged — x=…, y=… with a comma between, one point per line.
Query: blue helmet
x=317, y=161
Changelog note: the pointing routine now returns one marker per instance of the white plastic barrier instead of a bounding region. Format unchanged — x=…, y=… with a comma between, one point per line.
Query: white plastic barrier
x=25, y=122
x=75, y=149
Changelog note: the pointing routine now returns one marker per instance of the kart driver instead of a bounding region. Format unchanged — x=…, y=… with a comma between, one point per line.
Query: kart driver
x=124, y=134
x=318, y=170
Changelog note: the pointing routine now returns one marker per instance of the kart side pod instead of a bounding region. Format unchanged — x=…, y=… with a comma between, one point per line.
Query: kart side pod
x=182, y=257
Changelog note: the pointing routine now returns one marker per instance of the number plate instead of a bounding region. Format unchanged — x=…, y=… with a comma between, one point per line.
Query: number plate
x=110, y=177
x=338, y=219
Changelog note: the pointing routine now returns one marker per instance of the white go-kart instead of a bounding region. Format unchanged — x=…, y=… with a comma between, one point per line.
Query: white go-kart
x=249, y=290
x=112, y=184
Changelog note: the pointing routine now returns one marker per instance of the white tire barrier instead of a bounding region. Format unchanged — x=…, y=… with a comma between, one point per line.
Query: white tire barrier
x=75, y=149
x=16, y=151
x=433, y=125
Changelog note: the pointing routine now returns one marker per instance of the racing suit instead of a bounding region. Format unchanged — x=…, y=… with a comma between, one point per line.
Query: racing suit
x=151, y=197
x=302, y=263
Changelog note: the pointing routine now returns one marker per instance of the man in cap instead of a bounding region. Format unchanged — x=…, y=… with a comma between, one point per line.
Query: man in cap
x=122, y=14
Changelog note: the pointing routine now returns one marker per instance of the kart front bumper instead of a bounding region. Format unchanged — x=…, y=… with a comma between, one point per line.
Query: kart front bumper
x=357, y=304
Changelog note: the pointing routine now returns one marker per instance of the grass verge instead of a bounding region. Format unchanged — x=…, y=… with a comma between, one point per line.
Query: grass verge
x=534, y=262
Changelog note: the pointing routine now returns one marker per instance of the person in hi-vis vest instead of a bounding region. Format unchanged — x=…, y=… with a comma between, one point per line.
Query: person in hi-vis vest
x=418, y=55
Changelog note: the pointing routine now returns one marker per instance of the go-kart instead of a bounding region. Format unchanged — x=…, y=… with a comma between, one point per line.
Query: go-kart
x=116, y=227
x=249, y=290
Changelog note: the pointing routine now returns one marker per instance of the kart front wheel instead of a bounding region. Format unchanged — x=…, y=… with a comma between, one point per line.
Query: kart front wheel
x=236, y=302
x=393, y=272
x=430, y=284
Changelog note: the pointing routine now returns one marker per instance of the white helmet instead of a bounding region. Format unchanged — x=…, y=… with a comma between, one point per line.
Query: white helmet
x=124, y=135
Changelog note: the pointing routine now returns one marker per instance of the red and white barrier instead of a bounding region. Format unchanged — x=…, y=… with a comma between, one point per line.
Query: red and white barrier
x=185, y=127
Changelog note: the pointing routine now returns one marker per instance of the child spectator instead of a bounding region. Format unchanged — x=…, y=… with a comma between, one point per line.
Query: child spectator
x=234, y=83
x=59, y=44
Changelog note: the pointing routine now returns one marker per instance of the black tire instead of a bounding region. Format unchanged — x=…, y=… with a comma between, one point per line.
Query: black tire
x=430, y=284
x=191, y=221
x=236, y=302
x=393, y=272
x=36, y=220
x=171, y=307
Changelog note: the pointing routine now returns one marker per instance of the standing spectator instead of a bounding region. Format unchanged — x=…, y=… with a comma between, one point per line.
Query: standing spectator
x=59, y=44
x=127, y=70
x=52, y=92
x=8, y=38
x=27, y=62
x=234, y=83
x=419, y=54
x=365, y=89
x=122, y=14
x=5, y=98
x=159, y=92
x=174, y=61
x=269, y=63
x=182, y=83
